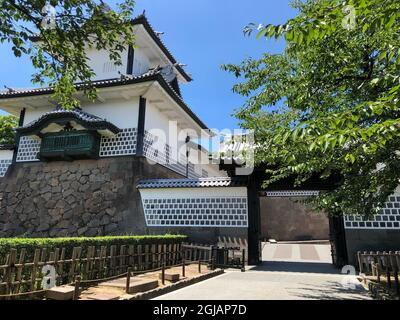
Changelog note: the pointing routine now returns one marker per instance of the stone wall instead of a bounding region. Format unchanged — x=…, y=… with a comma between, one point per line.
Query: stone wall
x=286, y=219
x=79, y=198
x=370, y=240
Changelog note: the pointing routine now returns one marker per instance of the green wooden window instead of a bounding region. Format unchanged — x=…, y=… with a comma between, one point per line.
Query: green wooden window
x=70, y=145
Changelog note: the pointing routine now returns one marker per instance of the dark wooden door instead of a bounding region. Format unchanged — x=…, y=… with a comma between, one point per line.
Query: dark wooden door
x=254, y=223
x=338, y=241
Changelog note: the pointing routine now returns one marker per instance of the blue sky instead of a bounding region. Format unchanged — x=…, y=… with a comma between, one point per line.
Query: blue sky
x=202, y=34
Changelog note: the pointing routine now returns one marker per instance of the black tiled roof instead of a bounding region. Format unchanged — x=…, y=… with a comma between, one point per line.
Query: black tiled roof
x=98, y=84
x=192, y=183
x=141, y=19
x=87, y=119
x=7, y=146
x=151, y=75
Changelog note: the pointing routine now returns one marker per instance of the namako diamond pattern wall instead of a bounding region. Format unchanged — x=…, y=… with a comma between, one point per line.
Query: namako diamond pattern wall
x=124, y=143
x=388, y=217
x=28, y=149
x=195, y=207
x=4, y=164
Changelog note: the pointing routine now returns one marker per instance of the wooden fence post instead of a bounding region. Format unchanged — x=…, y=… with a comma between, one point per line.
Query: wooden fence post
x=36, y=259
x=183, y=266
x=163, y=274
x=128, y=280
x=141, y=257
x=113, y=260
x=393, y=266
x=9, y=275
x=397, y=268
x=243, y=269
x=18, y=276
x=360, y=264
x=77, y=287
x=387, y=269
x=378, y=268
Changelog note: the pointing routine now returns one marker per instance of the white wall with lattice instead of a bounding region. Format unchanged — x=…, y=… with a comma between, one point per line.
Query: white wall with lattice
x=388, y=217
x=28, y=149
x=5, y=161
x=195, y=207
x=122, y=144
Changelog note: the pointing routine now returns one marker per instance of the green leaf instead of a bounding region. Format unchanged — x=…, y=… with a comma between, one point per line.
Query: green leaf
x=350, y=158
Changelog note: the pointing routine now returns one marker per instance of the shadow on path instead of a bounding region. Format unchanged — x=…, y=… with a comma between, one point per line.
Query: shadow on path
x=293, y=266
x=330, y=290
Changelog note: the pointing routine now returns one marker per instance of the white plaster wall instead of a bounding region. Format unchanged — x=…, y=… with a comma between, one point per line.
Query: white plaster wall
x=141, y=63
x=6, y=154
x=201, y=161
x=34, y=114
x=123, y=113
x=169, y=193
x=104, y=68
x=213, y=170
x=156, y=120
x=159, y=124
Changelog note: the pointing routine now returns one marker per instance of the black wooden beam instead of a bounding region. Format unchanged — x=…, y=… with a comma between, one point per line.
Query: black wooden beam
x=131, y=56
x=254, y=222
x=141, y=127
x=18, y=136
x=337, y=235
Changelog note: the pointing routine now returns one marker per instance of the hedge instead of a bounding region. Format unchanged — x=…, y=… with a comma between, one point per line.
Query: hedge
x=30, y=244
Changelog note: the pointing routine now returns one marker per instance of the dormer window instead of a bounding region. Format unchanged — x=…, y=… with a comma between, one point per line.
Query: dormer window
x=69, y=145
x=69, y=134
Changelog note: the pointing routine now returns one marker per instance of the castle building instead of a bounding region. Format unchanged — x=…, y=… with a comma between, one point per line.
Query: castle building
x=130, y=163
x=75, y=172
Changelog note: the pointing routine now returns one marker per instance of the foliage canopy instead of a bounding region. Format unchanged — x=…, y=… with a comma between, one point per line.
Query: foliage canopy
x=59, y=54
x=329, y=104
x=7, y=129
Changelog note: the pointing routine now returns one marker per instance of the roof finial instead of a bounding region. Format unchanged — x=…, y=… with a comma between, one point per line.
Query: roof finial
x=144, y=13
x=104, y=7
x=9, y=89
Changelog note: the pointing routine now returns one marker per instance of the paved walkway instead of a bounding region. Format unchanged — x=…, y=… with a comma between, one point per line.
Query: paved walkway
x=297, y=252
x=290, y=272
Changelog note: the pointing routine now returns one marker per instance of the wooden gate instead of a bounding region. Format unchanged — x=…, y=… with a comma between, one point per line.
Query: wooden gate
x=338, y=241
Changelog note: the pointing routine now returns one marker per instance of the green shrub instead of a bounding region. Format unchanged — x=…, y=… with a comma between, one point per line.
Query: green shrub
x=30, y=244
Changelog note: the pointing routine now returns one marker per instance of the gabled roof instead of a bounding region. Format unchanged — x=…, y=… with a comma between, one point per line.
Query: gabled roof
x=152, y=75
x=141, y=19
x=192, y=183
x=85, y=119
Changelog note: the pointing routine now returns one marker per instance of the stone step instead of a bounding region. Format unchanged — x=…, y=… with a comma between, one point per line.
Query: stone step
x=172, y=277
x=136, y=284
x=61, y=293
x=102, y=296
